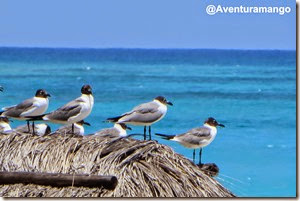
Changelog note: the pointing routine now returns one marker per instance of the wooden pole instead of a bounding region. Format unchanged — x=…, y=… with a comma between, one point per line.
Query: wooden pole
x=58, y=180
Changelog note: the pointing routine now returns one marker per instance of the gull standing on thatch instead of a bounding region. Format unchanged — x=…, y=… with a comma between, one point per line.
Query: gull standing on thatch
x=34, y=106
x=39, y=129
x=196, y=137
x=144, y=114
x=72, y=112
x=67, y=129
x=4, y=125
x=119, y=130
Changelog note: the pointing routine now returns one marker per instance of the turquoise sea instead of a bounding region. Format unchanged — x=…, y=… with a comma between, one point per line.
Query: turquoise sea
x=252, y=92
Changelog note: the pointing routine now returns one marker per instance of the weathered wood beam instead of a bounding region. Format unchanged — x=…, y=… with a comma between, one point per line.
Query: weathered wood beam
x=58, y=180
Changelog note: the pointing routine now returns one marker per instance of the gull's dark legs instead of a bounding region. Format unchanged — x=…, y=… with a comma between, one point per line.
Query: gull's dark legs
x=194, y=156
x=28, y=126
x=149, y=132
x=33, y=132
x=73, y=128
x=200, y=154
x=145, y=132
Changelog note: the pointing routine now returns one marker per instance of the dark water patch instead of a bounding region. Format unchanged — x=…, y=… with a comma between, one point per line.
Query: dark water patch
x=151, y=56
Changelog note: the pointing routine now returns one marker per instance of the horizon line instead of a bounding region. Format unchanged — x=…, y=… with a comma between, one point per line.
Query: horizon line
x=145, y=48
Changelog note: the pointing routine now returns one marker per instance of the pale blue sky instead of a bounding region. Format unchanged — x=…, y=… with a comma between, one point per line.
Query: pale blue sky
x=144, y=24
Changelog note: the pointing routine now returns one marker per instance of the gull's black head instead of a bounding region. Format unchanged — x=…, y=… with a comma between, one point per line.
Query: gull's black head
x=124, y=126
x=212, y=122
x=83, y=122
x=42, y=93
x=163, y=100
x=86, y=89
x=4, y=119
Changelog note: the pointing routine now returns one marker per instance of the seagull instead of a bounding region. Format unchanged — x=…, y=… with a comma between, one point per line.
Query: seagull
x=119, y=130
x=144, y=114
x=40, y=129
x=34, y=106
x=4, y=125
x=72, y=112
x=78, y=129
x=196, y=137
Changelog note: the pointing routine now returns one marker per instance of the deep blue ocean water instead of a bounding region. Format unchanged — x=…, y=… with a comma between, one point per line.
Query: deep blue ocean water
x=252, y=92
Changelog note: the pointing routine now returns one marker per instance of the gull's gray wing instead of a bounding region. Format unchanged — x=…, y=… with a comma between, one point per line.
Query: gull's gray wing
x=149, y=107
x=146, y=112
x=17, y=110
x=201, y=133
x=65, y=112
x=194, y=136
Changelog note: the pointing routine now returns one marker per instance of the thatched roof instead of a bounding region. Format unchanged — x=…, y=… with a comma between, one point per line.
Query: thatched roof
x=143, y=168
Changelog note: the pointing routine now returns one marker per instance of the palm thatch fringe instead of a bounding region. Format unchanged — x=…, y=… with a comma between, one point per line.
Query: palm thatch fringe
x=143, y=168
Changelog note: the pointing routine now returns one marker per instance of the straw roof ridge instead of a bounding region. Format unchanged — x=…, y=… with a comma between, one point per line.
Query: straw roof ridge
x=143, y=168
